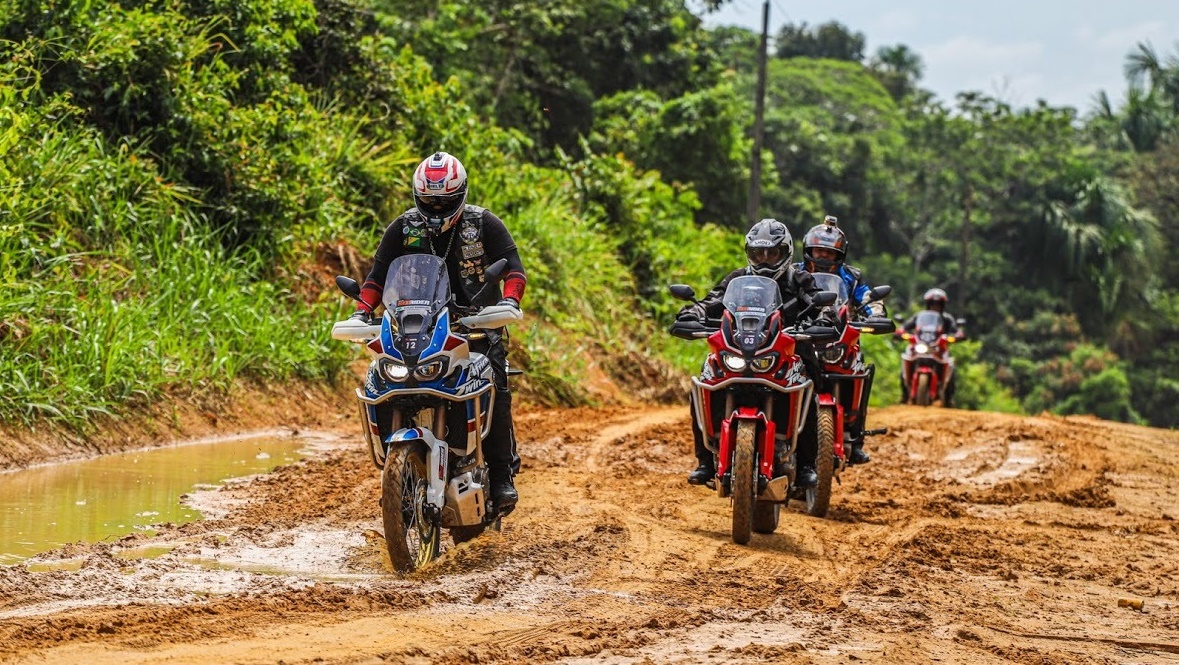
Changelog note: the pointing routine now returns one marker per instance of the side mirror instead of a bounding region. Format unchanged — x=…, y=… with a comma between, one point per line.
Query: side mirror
x=824, y=298
x=879, y=292
x=960, y=322
x=495, y=271
x=491, y=277
x=898, y=318
x=348, y=287
x=682, y=292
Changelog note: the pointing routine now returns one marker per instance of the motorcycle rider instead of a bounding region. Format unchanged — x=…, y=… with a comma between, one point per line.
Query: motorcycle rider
x=469, y=239
x=935, y=300
x=769, y=248
x=824, y=248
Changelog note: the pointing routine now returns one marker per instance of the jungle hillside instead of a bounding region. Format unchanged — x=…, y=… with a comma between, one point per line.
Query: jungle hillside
x=180, y=179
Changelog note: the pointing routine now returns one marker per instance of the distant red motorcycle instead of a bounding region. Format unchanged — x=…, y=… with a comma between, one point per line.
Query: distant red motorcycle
x=926, y=364
x=752, y=400
x=845, y=382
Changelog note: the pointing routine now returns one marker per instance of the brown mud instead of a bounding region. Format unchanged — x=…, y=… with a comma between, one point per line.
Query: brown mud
x=970, y=537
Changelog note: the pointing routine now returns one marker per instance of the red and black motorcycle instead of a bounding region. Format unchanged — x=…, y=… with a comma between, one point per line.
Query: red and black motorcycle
x=752, y=400
x=845, y=382
x=926, y=364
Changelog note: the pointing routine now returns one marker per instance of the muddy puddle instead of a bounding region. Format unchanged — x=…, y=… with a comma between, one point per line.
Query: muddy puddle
x=43, y=508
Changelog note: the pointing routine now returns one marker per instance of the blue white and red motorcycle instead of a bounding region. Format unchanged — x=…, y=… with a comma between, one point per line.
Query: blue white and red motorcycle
x=426, y=407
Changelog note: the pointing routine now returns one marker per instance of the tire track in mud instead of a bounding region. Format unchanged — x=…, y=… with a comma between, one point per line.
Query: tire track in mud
x=931, y=551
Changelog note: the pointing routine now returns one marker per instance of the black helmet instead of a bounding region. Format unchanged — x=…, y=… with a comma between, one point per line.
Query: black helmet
x=769, y=248
x=827, y=235
x=935, y=296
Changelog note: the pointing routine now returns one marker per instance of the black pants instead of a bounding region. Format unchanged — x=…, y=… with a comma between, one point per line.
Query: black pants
x=500, y=447
x=807, y=438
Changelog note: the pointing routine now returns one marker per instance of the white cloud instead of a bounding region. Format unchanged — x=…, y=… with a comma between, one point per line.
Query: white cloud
x=890, y=22
x=1123, y=39
x=976, y=53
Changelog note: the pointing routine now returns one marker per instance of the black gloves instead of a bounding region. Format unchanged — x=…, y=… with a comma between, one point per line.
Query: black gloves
x=691, y=313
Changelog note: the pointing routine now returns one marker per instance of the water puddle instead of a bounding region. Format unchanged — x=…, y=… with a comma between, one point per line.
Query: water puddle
x=43, y=508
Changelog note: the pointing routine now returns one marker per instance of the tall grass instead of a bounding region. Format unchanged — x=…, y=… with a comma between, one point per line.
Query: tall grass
x=159, y=181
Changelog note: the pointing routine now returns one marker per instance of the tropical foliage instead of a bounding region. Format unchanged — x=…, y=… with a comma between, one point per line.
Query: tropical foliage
x=171, y=173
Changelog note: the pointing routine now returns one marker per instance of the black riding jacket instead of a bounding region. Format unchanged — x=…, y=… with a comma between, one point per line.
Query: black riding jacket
x=469, y=247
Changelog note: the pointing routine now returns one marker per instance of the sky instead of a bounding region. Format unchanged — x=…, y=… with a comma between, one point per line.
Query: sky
x=1061, y=51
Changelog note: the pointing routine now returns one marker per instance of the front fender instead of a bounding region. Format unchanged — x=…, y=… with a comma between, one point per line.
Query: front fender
x=436, y=452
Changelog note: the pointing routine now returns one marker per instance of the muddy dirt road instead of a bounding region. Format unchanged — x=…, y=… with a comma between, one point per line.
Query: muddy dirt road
x=971, y=537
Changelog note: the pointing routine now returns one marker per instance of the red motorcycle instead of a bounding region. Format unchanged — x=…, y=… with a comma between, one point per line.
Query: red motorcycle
x=845, y=382
x=926, y=364
x=752, y=400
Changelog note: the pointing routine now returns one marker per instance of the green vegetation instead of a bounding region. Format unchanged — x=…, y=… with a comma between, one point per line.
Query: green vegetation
x=169, y=171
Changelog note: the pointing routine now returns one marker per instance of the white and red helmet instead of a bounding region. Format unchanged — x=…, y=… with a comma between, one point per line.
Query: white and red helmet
x=440, y=191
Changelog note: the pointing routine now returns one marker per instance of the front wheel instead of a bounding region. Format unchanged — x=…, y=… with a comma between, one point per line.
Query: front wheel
x=744, y=482
x=411, y=537
x=818, y=498
x=923, y=390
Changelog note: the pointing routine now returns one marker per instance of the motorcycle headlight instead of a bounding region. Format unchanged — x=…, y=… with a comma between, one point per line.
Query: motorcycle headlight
x=764, y=363
x=921, y=348
x=429, y=371
x=734, y=363
x=833, y=353
x=394, y=370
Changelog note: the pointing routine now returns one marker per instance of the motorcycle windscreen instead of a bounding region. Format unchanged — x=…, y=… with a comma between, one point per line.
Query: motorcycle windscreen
x=416, y=290
x=751, y=300
x=827, y=281
x=928, y=326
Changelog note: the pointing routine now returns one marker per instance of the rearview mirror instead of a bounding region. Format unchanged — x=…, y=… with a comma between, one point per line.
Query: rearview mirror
x=348, y=287
x=682, y=292
x=879, y=292
x=824, y=298
x=491, y=277
x=495, y=271
x=960, y=322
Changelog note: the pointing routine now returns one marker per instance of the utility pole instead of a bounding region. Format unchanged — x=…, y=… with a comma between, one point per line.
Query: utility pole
x=758, y=120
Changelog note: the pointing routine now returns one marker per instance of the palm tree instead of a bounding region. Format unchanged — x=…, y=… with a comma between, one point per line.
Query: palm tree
x=1101, y=239
x=1144, y=65
x=899, y=59
x=1145, y=119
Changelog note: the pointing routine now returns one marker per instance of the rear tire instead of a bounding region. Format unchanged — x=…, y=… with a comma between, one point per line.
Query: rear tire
x=765, y=516
x=818, y=498
x=744, y=482
x=411, y=539
x=923, y=390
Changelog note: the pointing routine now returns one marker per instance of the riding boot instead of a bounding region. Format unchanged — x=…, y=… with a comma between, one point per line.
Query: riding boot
x=706, y=461
x=499, y=448
x=808, y=449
